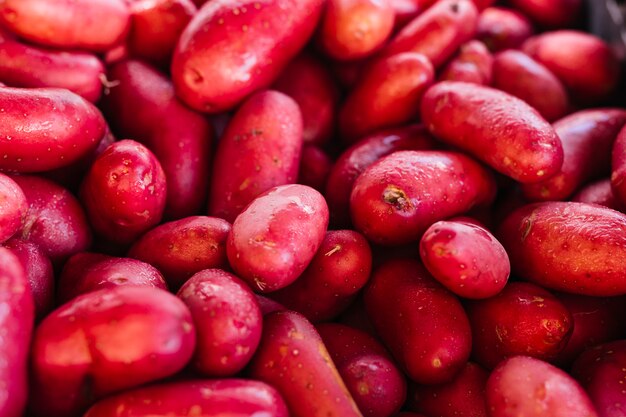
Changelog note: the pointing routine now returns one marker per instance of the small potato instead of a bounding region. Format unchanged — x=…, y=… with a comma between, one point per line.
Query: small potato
x=502, y=28
x=227, y=319
x=124, y=192
x=432, y=340
x=524, y=386
x=551, y=13
x=293, y=359
x=565, y=246
x=407, y=10
x=473, y=64
x=315, y=166
x=183, y=247
x=13, y=207
x=518, y=143
x=107, y=341
x=599, y=192
x=198, y=398
x=275, y=238
x=618, y=167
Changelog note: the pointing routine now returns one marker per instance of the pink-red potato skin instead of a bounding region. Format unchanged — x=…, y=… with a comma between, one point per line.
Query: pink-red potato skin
x=516, y=73
x=260, y=149
x=315, y=166
x=406, y=10
x=229, y=50
x=227, y=319
x=584, y=63
x=144, y=107
x=55, y=220
x=523, y=319
x=107, y=341
x=423, y=325
x=275, y=238
x=46, y=128
x=87, y=272
x=358, y=157
x=618, y=167
x=293, y=359
x=387, y=95
x=183, y=247
x=551, y=13
x=517, y=142
x=587, y=137
x=22, y=65
x=465, y=258
x=309, y=82
x=473, y=64
x=94, y=25
x=13, y=207
x=338, y=271
x=464, y=395
x=502, y=28
x=124, y=192
x=396, y=199
x=438, y=32
x=599, y=192
x=200, y=398
x=354, y=29
x=375, y=382
x=16, y=301
x=566, y=246
x=529, y=387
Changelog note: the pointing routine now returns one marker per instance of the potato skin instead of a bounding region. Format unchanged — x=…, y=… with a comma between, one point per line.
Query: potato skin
x=117, y=338
x=205, y=398
x=518, y=143
x=566, y=246
x=227, y=319
x=526, y=386
x=432, y=342
x=13, y=208
x=501, y=28
x=275, y=238
x=473, y=64
x=315, y=166
x=17, y=323
x=230, y=50
x=599, y=192
x=35, y=120
x=396, y=199
x=618, y=167
x=551, y=13
x=260, y=149
x=314, y=389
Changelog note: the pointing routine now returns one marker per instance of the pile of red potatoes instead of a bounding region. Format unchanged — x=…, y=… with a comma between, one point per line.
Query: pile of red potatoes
x=310, y=208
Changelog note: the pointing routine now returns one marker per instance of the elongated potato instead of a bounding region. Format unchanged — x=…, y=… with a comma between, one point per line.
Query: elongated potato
x=502, y=28
x=517, y=142
x=567, y=246
x=473, y=64
x=406, y=10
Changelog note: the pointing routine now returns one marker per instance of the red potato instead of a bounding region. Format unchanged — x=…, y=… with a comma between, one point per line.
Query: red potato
x=307, y=80
x=618, y=167
x=155, y=27
x=587, y=137
x=107, y=341
x=465, y=258
x=530, y=387
x=518, y=143
x=55, y=220
x=396, y=199
x=22, y=65
x=16, y=323
x=463, y=396
x=184, y=247
x=45, y=129
x=473, y=64
x=87, y=272
x=198, y=398
x=95, y=25
x=354, y=160
x=376, y=384
x=267, y=305
x=432, y=340
x=438, y=32
x=524, y=319
x=338, y=271
x=227, y=318
x=583, y=62
x=13, y=207
x=293, y=359
x=355, y=29
x=599, y=192
x=275, y=238
x=229, y=50
x=501, y=28
x=124, y=192
x=39, y=273
x=260, y=149
x=406, y=10
x=516, y=73
x=315, y=166
x=551, y=13
x=387, y=95
x=144, y=107
x=570, y=247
